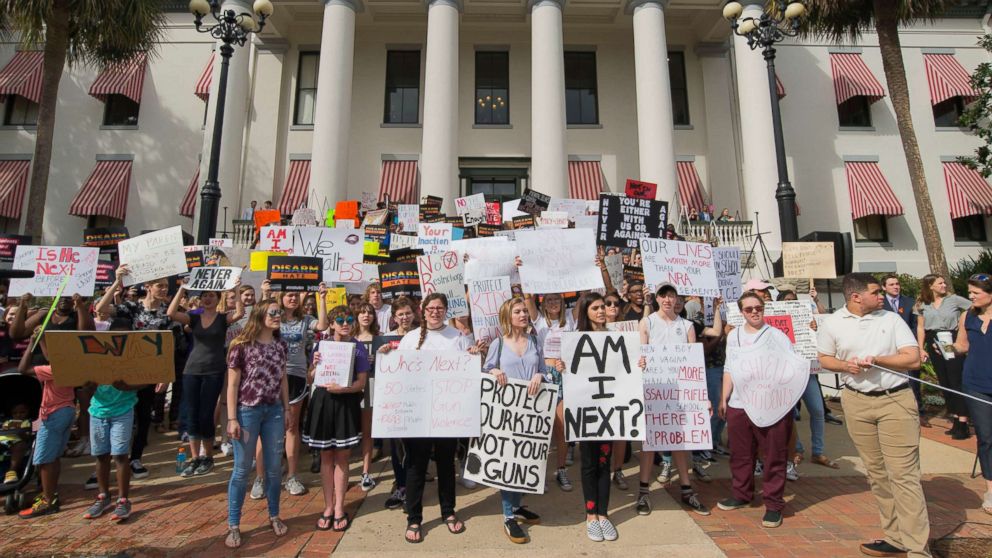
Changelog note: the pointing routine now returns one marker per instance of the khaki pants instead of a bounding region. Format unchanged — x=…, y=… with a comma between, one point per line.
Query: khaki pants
x=886, y=432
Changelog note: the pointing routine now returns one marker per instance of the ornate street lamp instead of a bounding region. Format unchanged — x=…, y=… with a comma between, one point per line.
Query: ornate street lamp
x=777, y=21
x=230, y=28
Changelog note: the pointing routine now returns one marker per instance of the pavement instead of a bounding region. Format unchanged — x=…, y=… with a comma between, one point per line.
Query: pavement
x=828, y=513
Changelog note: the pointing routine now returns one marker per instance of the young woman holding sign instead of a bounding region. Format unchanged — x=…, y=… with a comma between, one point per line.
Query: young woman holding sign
x=203, y=376
x=334, y=422
x=434, y=335
x=516, y=355
x=404, y=316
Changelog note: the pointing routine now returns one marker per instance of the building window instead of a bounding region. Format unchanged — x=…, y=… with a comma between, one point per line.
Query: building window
x=680, y=91
x=402, y=87
x=492, y=87
x=120, y=111
x=948, y=113
x=581, y=103
x=970, y=229
x=19, y=111
x=499, y=189
x=855, y=112
x=871, y=228
x=306, y=88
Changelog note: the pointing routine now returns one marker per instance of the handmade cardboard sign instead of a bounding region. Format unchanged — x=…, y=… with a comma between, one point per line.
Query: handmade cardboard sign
x=276, y=239
x=533, y=202
x=294, y=273
x=51, y=265
x=213, y=278
x=103, y=357
x=153, y=256
x=558, y=261
x=221, y=242
x=266, y=217
x=305, y=217
x=485, y=297
x=614, y=267
x=510, y=210
x=677, y=407
x=642, y=190
x=768, y=381
x=427, y=394
x=472, y=209
x=688, y=266
x=623, y=221
x=8, y=245
x=808, y=260
x=574, y=208
x=434, y=237
x=511, y=453
x=341, y=251
x=399, y=279
x=104, y=238
x=626, y=325
x=402, y=242
x=604, y=390
x=336, y=360
x=494, y=213
x=791, y=317
x=727, y=262
x=443, y=273
x=369, y=201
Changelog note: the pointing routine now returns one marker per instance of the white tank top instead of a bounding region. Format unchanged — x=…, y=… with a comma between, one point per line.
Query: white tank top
x=663, y=332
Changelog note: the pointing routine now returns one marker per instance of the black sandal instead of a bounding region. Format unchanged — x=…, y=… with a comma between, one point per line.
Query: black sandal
x=416, y=531
x=329, y=524
x=347, y=523
x=451, y=522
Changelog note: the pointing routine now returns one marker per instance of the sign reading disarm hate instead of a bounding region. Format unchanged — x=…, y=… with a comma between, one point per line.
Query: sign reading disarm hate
x=604, y=386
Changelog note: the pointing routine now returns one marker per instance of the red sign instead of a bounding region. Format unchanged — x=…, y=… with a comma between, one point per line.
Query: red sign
x=782, y=323
x=642, y=190
x=494, y=215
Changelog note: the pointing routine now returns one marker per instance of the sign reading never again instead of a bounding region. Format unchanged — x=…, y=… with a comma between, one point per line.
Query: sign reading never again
x=103, y=357
x=623, y=221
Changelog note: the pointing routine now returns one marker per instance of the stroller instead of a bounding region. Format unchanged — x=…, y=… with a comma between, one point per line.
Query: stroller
x=16, y=388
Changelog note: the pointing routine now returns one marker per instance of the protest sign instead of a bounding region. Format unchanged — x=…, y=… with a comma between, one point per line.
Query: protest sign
x=808, y=260
x=472, y=209
x=623, y=221
x=553, y=220
x=334, y=297
x=489, y=257
x=688, y=266
x=633, y=273
x=485, y=230
x=221, y=242
x=399, y=279
x=768, y=381
x=9, y=244
x=104, y=238
x=137, y=357
x=402, y=242
x=510, y=210
x=51, y=265
x=604, y=386
x=638, y=189
x=434, y=237
x=259, y=261
x=213, y=278
x=614, y=267
x=305, y=217
x=677, y=409
x=427, y=394
x=523, y=222
x=336, y=359
x=796, y=328
x=727, y=263
x=377, y=217
x=552, y=343
x=494, y=213
x=590, y=222
x=194, y=259
x=626, y=325
x=341, y=251
x=574, y=208
x=106, y=273
x=379, y=340
x=486, y=296
x=558, y=261
x=408, y=216
x=294, y=273
x=265, y=217
x=347, y=210
x=329, y=218
x=511, y=452
x=153, y=256
x=346, y=224
x=443, y=273
x=369, y=201
x=276, y=239
x=533, y=202
x=432, y=201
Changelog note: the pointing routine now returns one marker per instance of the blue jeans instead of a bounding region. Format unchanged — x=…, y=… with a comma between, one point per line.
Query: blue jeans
x=510, y=501
x=981, y=416
x=813, y=398
x=714, y=387
x=200, y=394
x=267, y=421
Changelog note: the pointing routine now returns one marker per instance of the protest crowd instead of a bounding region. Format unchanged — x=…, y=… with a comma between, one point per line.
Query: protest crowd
x=499, y=346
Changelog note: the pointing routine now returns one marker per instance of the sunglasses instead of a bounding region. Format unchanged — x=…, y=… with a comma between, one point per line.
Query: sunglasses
x=341, y=320
x=611, y=303
x=980, y=277
x=752, y=309
x=275, y=313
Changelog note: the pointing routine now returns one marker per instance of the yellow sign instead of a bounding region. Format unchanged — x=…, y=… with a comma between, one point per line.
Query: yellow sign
x=336, y=297
x=260, y=260
x=371, y=247
x=103, y=357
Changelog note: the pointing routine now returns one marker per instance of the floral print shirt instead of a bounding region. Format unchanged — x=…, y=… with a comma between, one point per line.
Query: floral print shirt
x=262, y=366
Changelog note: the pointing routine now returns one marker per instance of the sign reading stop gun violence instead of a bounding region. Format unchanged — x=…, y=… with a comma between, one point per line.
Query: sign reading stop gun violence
x=512, y=451
x=153, y=256
x=677, y=410
x=603, y=386
x=792, y=317
x=688, y=266
x=443, y=273
x=426, y=394
x=808, y=260
x=51, y=265
x=103, y=357
x=213, y=278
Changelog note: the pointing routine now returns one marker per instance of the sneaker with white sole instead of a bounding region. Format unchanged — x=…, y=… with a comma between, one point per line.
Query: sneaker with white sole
x=257, y=489
x=102, y=505
x=561, y=476
x=620, y=480
x=368, y=483
x=295, y=487
x=700, y=472
x=644, y=504
x=691, y=501
x=594, y=531
x=122, y=511
x=791, y=472
x=396, y=499
x=666, y=473
x=226, y=448
x=608, y=530
x=138, y=471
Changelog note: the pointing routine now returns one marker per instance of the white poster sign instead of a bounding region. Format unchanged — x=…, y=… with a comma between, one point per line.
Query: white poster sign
x=443, y=273
x=510, y=210
x=434, y=237
x=153, y=256
x=626, y=325
x=558, y=261
x=51, y=265
x=677, y=405
x=305, y=217
x=791, y=317
x=688, y=266
x=213, y=278
x=768, y=381
x=336, y=362
x=727, y=262
x=342, y=251
x=472, y=209
x=614, y=267
x=574, y=208
x=427, y=394
x=604, y=389
x=275, y=239
x=491, y=259
x=486, y=296
x=221, y=242
x=553, y=220
x=408, y=216
x=402, y=242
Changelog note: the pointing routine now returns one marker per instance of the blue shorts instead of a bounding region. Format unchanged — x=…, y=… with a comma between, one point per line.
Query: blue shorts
x=111, y=435
x=53, y=435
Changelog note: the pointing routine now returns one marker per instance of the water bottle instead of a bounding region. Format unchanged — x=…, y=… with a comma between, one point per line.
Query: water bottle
x=180, y=460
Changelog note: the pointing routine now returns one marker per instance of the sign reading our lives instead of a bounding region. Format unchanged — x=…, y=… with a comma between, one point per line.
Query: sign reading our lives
x=791, y=317
x=604, y=386
x=677, y=407
x=443, y=273
x=51, y=265
x=623, y=221
x=213, y=278
x=511, y=453
x=688, y=266
x=427, y=394
x=103, y=357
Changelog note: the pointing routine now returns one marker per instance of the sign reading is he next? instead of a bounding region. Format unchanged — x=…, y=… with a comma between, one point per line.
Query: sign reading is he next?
x=623, y=221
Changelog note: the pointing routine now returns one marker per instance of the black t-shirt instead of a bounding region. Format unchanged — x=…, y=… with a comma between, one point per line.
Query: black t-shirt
x=208, y=355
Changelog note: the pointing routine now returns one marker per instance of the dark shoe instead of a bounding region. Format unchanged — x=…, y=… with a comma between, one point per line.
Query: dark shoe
x=396, y=499
x=315, y=464
x=691, y=501
x=729, y=504
x=138, y=471
x=643, y=505
x=91, y=483
x=960, y=431
x=832, y=419
x=190, y=468
x=526, y=516
x=772, y=519
x=206, y=465
x=881, y=548
x=514, y=532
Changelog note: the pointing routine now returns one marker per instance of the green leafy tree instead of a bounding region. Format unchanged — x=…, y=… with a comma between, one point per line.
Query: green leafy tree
x=978, y=114
x=91, y=32
x=846, y=20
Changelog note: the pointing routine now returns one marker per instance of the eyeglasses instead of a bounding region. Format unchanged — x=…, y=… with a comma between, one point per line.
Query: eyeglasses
x=433, y=309
x=341, y=320
x=611, y=303
x=752, y=309
x=980, y=277
x=274, y=313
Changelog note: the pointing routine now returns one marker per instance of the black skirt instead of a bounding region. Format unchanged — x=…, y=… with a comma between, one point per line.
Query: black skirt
x=334, y=420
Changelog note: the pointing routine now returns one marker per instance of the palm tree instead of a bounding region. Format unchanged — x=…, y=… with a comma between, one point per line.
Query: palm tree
x=94, y=32
x=845, y=20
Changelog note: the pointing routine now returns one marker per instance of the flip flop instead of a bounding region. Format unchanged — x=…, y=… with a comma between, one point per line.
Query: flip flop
x=233, y=539
x=278, y=524
x=327, y=519
x=416, y=531
x=825, y=461
x=451, y=522
x=347, y=523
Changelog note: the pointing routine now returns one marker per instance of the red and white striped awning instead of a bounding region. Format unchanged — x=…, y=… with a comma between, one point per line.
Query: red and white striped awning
x=585, y=180
x=779, y=88
x=13, y=183
x=690, y=187
x=294, y=193
x=947, y=78
x=126, y=78
x=188, y=206
x=202, y=89
x=852, y=78
x=22, y=75
x=967, y=190
x=870, y=192
x=399, y=181
x=105, y=191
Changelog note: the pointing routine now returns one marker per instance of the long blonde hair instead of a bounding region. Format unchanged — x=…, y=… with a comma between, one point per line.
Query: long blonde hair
x=256, y=323
x=506, y=316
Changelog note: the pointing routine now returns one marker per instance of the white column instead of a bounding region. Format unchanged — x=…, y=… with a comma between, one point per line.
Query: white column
x=757, y=137
x=655, y=125
x=439, y=149
x=722, y=159
x=549, y=154
x=332, y=113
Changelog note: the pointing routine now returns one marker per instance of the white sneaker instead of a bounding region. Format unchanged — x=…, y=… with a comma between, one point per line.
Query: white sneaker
x=257, y=489
x=295, y=487
x=608, y=530
x=226, y=448
x=594, y=531
x=791, y=473
x=666, y=472
x=368, y=483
